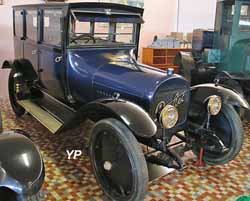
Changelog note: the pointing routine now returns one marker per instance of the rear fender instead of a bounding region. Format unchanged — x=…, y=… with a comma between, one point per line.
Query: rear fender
x=200, y=94
x=133, y=116
x=23, y=66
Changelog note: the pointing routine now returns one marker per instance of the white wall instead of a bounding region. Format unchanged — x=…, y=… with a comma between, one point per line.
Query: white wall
x=196, y=14
x=159, y=17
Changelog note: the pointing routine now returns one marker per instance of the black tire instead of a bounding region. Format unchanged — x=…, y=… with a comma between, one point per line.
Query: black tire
x=1, y=123
x=126, y=179
x=18, y=110
x=9, y=195
x=229, y=129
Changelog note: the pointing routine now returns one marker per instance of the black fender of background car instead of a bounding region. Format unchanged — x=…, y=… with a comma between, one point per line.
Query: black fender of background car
x=21, y=164
x=21, y=65
x=224, y=75
x=132, y=115
x=201, y=93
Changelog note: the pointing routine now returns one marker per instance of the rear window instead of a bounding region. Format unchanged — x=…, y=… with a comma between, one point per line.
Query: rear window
x=18, y=29
x=52, y=26
x=31, y=22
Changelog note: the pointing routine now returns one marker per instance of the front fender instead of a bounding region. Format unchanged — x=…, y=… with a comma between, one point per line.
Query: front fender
x=200, y=93
x=21, y=167
x=133, y=116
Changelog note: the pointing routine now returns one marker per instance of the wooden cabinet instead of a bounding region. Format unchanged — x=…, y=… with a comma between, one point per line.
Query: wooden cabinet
x=161, y=58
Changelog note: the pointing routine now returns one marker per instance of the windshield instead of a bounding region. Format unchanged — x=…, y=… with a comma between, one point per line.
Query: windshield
x=102, y=30
x=244, y=23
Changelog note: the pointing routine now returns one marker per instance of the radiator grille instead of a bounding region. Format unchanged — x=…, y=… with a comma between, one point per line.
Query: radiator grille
x=177, y=97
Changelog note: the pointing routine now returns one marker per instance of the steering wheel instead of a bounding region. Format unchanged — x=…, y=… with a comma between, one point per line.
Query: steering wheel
x=88, y=37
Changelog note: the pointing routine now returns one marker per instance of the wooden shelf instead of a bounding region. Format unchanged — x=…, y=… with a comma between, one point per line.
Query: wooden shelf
x=161, y=58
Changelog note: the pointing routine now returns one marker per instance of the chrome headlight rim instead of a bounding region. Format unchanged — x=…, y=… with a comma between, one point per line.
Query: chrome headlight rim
x=166, y=120
x=214, y=105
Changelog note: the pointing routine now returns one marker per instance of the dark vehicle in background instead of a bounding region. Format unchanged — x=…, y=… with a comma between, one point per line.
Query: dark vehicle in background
x=223, y=54
x=78, y=60
x=22, y=169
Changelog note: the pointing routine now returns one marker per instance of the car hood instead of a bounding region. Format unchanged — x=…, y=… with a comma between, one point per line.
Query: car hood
x=95, y=73
x=122, y=74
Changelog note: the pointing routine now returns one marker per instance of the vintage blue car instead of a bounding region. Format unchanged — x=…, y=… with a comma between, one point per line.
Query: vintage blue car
x=75, y=61
x=21, y=167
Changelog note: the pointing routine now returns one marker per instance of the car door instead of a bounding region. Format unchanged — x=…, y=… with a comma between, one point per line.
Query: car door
x=30, y=50
x=51, y=63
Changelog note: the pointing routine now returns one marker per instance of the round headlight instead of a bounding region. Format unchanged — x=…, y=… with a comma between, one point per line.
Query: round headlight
x=169, y=116
x=214, y=105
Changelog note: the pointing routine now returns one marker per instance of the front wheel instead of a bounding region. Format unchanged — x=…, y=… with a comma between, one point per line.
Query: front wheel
x=118, y=161
x=228, y=127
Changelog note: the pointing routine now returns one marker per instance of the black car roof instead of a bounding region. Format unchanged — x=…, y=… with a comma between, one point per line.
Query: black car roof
x=230, y=1
x=84, y=5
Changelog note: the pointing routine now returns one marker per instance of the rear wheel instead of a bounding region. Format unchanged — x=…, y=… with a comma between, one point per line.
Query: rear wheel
x=1, y=123
x=18, y=110
x=228, y=127
x=118, y=162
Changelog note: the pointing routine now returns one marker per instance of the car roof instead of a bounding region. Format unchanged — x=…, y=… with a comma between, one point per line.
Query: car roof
x=231, y=1
x=83, y=5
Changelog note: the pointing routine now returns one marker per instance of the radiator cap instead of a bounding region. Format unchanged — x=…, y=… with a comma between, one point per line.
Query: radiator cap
x=170, y=71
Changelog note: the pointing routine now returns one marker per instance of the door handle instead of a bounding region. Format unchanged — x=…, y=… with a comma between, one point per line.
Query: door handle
x=58, y=59
x=33, y=52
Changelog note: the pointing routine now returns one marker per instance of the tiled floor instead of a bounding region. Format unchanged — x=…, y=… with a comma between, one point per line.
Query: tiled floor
x=73, y=179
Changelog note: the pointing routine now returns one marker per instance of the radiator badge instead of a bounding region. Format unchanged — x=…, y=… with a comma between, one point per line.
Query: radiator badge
x=179, y=98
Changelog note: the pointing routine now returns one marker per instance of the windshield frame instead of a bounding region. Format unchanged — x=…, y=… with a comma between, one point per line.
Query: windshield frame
x=135, y=34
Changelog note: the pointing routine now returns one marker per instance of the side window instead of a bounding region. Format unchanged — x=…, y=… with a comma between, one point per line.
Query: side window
x=52, y=26
x=244, y=23
x=18, y=30
x=31, y=22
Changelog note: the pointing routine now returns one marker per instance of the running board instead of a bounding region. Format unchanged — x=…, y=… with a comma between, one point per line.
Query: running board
x=44, y=117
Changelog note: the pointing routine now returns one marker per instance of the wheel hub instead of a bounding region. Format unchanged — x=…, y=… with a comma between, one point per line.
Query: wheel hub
x=107, y=165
